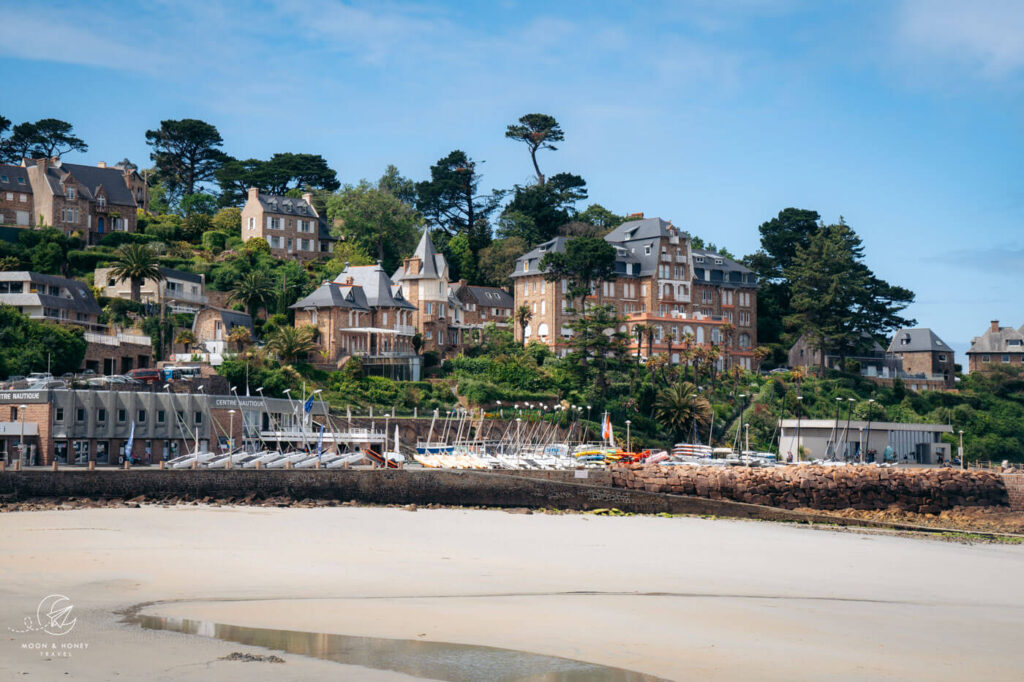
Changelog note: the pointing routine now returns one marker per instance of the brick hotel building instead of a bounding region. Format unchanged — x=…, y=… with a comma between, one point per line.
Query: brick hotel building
x=661, y=281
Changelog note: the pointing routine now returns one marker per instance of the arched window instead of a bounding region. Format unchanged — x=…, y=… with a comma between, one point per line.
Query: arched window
x=744, y=340
x=542, y=330
x=716, y=336
x=526, y=332
x=700, y=334
x=687, y=330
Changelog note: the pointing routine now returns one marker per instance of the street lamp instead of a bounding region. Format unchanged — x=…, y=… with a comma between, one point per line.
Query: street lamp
x=743, y=406
x=835, y=430
x=629, y=443
x=963, y=460
x=871, y=415
x=231, y=433
x=21, y=441
x=799, y=414
x=846, y=432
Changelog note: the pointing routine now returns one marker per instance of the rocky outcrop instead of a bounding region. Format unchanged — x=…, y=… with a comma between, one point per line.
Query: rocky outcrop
x=821, y=487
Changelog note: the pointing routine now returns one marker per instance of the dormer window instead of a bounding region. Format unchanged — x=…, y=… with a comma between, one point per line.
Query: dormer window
x=698, y=259
x=647, y=250
x=69, y=191
x=718, y=261
x=21, y=181
x=101, y=201
x=4, y=178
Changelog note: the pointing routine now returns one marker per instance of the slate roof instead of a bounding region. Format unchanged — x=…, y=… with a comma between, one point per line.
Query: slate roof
x=376, y=285
x=919, y=340
x=79, y=298
x=171, y=273
x=637, y=245
x=433, y=263
x=334, y=295
x=648, y=228
x=11, y=183
x=286, y=205
x=1006, y=340
x=91, y=178
x=492, y=297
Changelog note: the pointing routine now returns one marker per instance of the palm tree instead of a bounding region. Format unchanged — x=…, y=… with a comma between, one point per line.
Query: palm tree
x=728, y=333
x=523, y=317
x=680, y=407
x=239, y=336
x=137, y=263
x=712, y=354
x=639, y=330
x=760, y=353
x=291, y=343
x=255, y=289
x=186, y=338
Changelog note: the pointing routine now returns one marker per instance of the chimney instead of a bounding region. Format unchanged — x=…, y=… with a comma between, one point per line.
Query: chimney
x=349, y=281
x=636, y=216
x=254, y=193
x=42, y=165
x=308, y=198
x=995, y=325
x=101, y=164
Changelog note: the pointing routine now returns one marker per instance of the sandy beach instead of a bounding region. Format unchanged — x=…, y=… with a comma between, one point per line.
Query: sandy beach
x=678, y=598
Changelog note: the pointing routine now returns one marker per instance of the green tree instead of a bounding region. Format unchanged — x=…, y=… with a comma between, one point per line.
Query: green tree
x=392, y=181
x=781, y=236
x=451, y=203
x=837, y=301
x=292, y=343
x=585, y=260
x=254, y=289
x=19, y=144
x=136, y=263
x=186, y=154
x=548, y=206
x=680, y=409
x=53, y=138
x=378, y=221
x=281, y=174
x=186, y=338
x=523, y=316
x=498, y=260
x=28, y=345
x=536, y=131
x=597, y=347
x=599, y=216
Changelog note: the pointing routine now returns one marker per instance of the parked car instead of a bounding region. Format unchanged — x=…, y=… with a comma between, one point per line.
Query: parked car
x=146, y=375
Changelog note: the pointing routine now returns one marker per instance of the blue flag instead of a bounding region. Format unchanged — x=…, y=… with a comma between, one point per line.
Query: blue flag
x=309, y=405
x=320, y=443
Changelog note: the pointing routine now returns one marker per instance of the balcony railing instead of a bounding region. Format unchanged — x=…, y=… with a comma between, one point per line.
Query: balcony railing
x=116, y=339
x=180, y=295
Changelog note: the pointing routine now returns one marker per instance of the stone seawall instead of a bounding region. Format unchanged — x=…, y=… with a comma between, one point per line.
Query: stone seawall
x=822, y=487
x=378, y=486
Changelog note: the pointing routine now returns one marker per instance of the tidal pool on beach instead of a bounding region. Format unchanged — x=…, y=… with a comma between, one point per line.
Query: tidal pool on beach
x=433, y=660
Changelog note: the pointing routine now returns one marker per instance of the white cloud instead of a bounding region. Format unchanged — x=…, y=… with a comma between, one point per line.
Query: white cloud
x=39, y=34
x=983, y=36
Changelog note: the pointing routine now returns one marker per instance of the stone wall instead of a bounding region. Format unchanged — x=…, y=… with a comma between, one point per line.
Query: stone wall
x=818, y=487
x=1015, y=490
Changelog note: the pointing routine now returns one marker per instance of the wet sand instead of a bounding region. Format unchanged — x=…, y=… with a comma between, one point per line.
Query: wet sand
x=681, y=598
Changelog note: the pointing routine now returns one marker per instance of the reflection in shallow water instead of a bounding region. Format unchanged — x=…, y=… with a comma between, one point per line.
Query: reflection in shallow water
x=436, y=660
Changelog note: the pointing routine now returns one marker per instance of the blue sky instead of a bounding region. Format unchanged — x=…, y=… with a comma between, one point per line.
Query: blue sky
x=904, y=117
